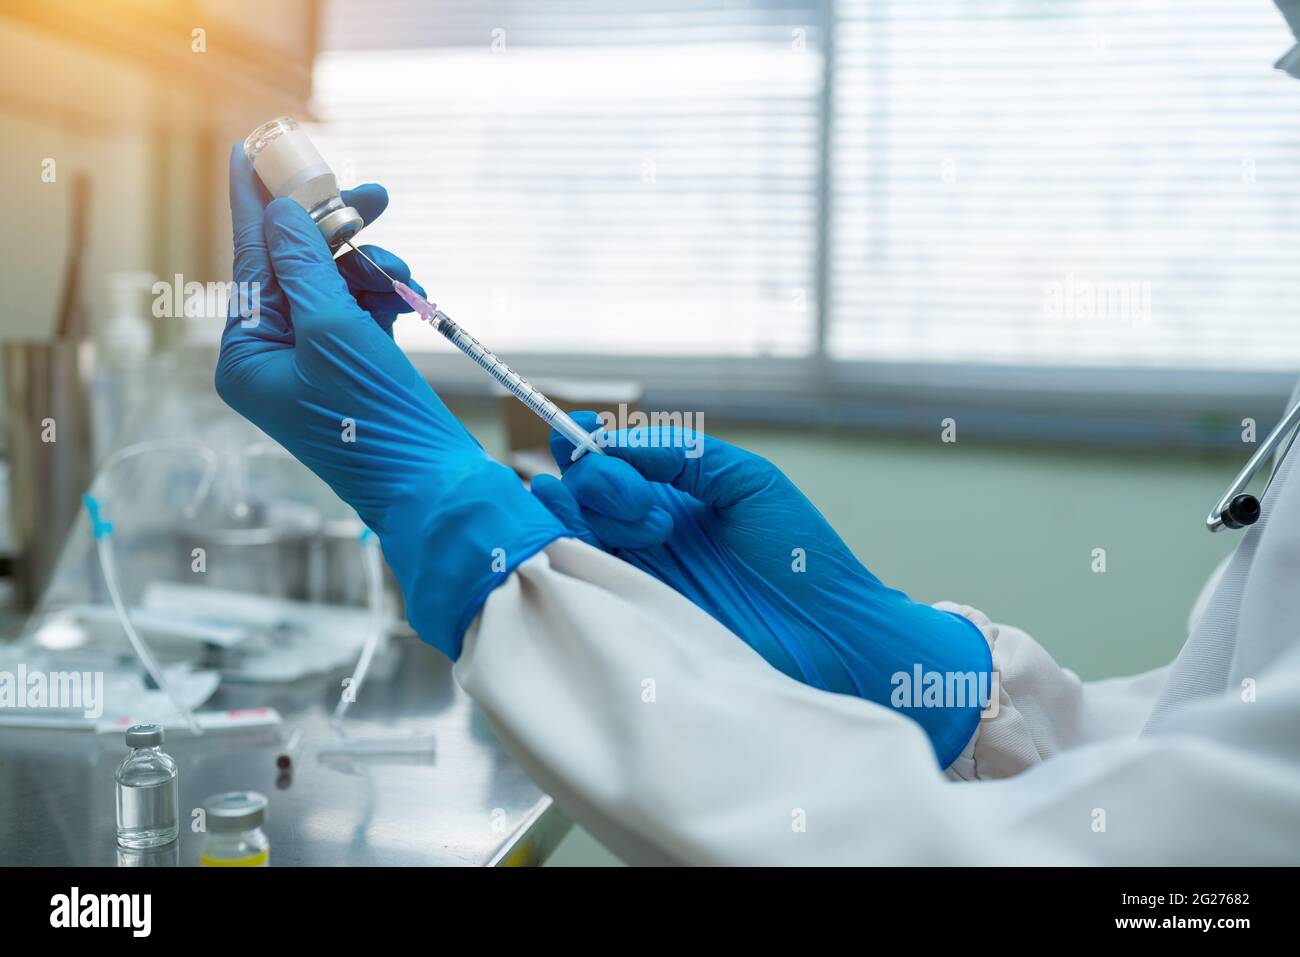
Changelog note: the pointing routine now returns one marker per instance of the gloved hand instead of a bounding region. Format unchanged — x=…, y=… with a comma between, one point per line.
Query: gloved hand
x=730, y=532
x=319, y=372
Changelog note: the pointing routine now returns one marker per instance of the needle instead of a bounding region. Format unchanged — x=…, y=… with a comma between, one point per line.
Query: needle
x=348, y=243
x=516, y=384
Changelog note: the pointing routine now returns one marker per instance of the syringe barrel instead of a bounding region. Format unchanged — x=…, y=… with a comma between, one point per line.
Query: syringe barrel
x=513, y=382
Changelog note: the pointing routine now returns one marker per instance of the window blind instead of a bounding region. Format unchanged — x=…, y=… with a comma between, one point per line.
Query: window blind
x=616, y=177
x=1042, y=182
x=1039, y=183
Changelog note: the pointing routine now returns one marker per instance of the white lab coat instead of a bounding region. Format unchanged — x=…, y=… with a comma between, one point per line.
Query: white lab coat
x=673, y=742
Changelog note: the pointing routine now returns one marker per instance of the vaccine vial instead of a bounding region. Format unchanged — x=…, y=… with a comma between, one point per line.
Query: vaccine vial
x=288, y=164
x=233, y=835
x=147, y=794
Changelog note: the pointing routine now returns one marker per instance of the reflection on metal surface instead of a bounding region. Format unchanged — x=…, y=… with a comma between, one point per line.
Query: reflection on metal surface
x=535, y=840
x=468, y=803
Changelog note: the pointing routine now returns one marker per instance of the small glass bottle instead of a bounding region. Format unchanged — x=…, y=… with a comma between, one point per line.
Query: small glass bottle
x=169, y=855
x=233, y=831
x=288, y=164
x=147, y=800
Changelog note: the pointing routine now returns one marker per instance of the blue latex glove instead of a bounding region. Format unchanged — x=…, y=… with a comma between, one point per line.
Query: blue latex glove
x=320, y=373
x=730, y=532
x=1290, y=61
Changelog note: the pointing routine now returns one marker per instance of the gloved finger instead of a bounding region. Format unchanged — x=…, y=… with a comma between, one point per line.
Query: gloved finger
x=363, y=276
x=372, y=289
x=368, y=199
x=252, y=261
x=248, y=199
x=708, y=469
x=551, y=492
x=385, y=307
x=562, y=448
x=317, y=292
x=382, y=309
x=610, y=486
x=654, y=528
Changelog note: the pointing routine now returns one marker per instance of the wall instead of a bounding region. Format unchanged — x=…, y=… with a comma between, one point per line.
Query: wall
x=123, y=95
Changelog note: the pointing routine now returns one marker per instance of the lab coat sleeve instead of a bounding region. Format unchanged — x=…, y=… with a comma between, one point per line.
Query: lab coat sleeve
x=673, y=742
x=1042, y=708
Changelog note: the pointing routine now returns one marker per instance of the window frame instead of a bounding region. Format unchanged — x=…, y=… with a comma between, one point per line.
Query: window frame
x=1105, y=405
x=1122, y=406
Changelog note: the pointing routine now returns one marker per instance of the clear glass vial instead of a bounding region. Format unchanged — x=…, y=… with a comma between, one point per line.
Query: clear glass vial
x=288, y=164
x=148, y=812
x=234, y=835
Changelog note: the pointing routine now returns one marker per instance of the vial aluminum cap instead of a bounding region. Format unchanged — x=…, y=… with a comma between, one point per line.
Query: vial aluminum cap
x=144, y=736
x=340, y=226
x=235, y=811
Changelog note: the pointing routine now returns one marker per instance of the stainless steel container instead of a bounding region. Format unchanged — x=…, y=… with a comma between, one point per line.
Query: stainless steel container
x=48, y=434
x=269, y=551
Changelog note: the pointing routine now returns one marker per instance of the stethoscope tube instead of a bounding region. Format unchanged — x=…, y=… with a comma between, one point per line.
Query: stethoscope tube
x=1238, y=508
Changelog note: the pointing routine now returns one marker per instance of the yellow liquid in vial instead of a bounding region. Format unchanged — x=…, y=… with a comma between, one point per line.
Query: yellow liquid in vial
x=260, y=859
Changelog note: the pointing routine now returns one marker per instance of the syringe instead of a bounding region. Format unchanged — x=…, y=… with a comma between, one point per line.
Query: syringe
x=516, y=384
